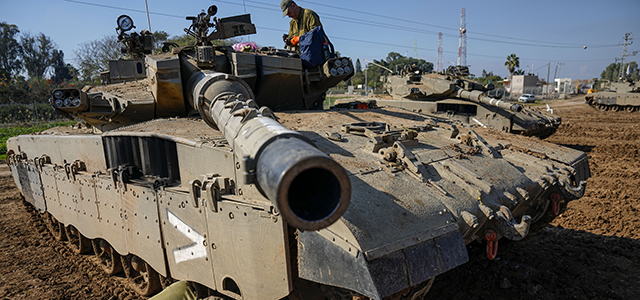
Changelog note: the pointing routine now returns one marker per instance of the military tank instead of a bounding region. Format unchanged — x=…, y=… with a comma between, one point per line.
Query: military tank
x=452, y=96
x=621, y=96
x=189, y=175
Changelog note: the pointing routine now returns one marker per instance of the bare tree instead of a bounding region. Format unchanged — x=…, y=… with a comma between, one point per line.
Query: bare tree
x=94, y=56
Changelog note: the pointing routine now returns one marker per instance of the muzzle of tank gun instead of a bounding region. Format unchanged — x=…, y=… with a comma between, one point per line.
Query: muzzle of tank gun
x=309, y=189
x=69, y=100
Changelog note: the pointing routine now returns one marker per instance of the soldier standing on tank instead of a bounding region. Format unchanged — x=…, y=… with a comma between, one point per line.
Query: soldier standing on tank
x=302, y=21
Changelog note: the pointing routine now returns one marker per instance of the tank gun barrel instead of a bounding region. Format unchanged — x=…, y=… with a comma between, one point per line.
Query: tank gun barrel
x=481, y=97
x=309, y=189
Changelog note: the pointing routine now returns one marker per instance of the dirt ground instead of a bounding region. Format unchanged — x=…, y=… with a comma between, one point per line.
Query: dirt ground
x=590, y=251
x=33, y=265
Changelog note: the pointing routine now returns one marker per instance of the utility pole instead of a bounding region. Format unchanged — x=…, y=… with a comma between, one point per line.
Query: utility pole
x=416, y=49
x=439, y=60
x=548, y=71
x=148, y=19
x=365, y=80
x=558, y=69
x=462, y=43
x=627, y=41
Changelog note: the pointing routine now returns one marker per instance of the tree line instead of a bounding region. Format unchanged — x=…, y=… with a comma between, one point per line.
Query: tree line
x=35, y=56
x=32, y=65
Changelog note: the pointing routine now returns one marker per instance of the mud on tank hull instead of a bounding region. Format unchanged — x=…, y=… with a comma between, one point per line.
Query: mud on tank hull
x=454, y=97
x=528, y=121
x=420, y=189
x=415, y=197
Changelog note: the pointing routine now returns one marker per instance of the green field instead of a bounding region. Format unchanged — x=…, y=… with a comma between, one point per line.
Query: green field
x=10, y=131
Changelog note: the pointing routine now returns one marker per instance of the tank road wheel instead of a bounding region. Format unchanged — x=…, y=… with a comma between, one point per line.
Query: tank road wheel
x=602, y=107
x=165, y=282
x=142, y=277
x=615, y=108
x=109, y=258
x=630, y=109
x=56, y=228
x=77, y=242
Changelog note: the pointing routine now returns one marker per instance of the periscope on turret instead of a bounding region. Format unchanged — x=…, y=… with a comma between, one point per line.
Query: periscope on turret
x=207, y=170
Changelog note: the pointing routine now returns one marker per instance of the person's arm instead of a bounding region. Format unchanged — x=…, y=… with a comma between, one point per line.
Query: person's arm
x=313, y=21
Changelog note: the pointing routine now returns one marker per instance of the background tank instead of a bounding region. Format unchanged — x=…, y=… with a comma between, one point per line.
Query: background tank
x=184, y=176
x=457, y=98
x=620, y=96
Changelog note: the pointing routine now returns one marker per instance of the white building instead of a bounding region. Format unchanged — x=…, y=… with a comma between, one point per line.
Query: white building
x=523, y=84
x=563, y=85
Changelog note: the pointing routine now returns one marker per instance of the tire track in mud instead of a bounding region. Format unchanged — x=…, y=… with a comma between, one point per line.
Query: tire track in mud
x=33, y=265
x=590, y=251
x=87, y=264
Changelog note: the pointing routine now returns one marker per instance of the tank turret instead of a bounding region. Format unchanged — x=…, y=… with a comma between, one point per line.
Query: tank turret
x=189, y=83
x=271, y=77
x=453, y=96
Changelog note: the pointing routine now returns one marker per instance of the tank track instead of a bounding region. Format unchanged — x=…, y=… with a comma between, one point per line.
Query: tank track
x=86, y=263
x=611, y=107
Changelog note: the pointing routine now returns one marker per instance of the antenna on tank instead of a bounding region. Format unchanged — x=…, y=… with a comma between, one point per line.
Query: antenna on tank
x=148, y=19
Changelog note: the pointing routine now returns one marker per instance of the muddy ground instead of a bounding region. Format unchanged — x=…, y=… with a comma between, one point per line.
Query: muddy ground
x=590, y=251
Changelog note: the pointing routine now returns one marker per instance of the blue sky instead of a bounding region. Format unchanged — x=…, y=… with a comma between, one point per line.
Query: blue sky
x=545, y=35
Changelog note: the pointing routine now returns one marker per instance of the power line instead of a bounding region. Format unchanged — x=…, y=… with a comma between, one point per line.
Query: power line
x=351, y=39
x=122, y=8
x=353, y=20
x=270, y=6
x=414, y=22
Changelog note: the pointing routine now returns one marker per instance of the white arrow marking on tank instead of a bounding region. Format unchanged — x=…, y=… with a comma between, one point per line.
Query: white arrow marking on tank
x=191, y=251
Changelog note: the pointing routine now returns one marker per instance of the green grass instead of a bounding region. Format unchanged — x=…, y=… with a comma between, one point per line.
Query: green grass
x=330, y=101
x=7, y=132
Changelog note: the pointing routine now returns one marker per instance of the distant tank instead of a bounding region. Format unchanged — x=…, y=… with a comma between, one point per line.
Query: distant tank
x=188, y=175
x=621, y=96
x=454, y=97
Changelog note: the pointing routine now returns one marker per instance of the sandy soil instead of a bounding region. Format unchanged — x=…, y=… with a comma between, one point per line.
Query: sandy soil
x=590, y=251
